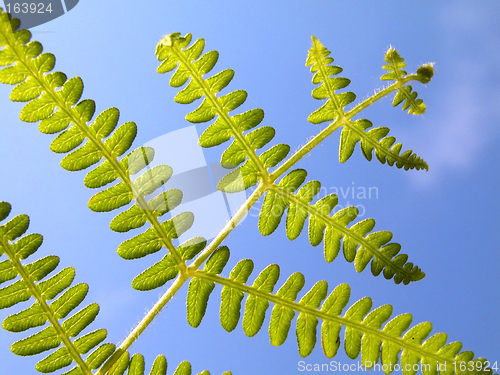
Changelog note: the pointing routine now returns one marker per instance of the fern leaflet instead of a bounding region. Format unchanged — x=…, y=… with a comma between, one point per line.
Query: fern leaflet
x=35, y=282
x=353, y=131
x=173, y=52
x=405, y=95
x=55, y=101
x=368, y=332
x=358, y=246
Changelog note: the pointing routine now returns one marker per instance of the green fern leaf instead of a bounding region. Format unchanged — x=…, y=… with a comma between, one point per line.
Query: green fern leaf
x=365, y=332
x=86, y=342
x=281, y=316
x=306, y=324
x=111, y=198
x=120, y=365
x=200, y=290
x=122, y=139
x=68, y=140
x=156, y=275
x=359, y=245
x=191, y=65
x=71, y=298
x=319, y=59
x=356, y=131
x=82, y=158
x=395, y=65
x=231, y=299
x=137, y=365
x=13, y=294
x=99, y=355
x=255, y=307
x=59, y=359
x=45, y=91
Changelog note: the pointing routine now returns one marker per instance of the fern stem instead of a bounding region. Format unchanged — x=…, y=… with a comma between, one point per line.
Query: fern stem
x=250, y=290
x=228, y=228
x=339, y=122
x=304, y=150
x=223, y=114
x=144, y=323
x=104, y=151
x=35, y=292
x=380, y=94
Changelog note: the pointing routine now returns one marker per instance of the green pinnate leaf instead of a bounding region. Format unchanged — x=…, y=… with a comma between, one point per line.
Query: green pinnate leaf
x=79, y=321
x=13, y=294
x=82, y=158
x=32, y=317
x=68, y=140
x=306, y=324
x=86, y=342
x=121, y=140
x=71, y=91
x=121, y=365
x=274, y=155
x=105, y=123
x=56, y=122
x=151, y=180
x=59, y=359
x=137, y=365
x=272, y=210
x=42, y=267
x=5, y=209
x=98, y=356
x=184, y=368
x=7, y=271
x=111, y=198
x=13, y=74
x=156, y=275
x=26, y=91
x=198, y=293
x=319, y=60
x=231, y=299
x=27, y=245
x=15, y=228
x=69, y=300
x=281, y=316
x=159, y=366
x=39, y=342
x=255, y=307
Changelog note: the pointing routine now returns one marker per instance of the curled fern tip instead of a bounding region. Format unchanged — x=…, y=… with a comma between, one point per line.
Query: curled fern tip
x=425, y=72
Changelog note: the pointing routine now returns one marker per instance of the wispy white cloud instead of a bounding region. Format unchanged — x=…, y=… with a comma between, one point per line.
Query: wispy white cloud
x=468, y=119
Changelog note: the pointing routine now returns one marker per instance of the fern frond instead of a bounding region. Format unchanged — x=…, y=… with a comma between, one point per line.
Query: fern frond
x=55, y=299
x=368, y=332
x=354, y=131
x=405, y=95
x=136, y=366
x=377, y=139
x=359, y=245
x=173, y=52
x=319, y=60
x=55, y=101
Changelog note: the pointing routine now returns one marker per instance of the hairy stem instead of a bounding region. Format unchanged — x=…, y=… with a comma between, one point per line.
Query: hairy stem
x=143, y=324
x=35, y=292
x=228, y=228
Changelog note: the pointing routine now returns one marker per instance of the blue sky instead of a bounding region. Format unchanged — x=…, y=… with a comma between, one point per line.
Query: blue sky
x=446, y=219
